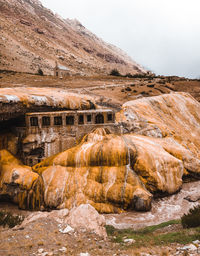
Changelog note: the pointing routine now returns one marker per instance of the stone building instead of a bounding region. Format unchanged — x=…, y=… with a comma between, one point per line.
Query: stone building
x=61, y=71
x=48, y=133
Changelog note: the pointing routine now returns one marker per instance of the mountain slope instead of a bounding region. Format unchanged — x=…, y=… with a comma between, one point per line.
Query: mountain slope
x=31, y=36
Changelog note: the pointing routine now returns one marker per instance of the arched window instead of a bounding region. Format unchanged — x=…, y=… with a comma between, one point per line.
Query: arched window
x=99, y=119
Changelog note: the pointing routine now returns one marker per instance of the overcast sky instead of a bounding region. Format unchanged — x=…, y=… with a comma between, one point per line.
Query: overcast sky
x=161, y=35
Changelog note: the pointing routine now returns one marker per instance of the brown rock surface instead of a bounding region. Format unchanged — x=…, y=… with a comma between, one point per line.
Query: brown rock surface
x=87, y=218
x=18, y=183
x=116, y=172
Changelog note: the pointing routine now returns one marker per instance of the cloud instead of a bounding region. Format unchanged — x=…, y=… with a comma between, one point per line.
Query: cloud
x=161, y=35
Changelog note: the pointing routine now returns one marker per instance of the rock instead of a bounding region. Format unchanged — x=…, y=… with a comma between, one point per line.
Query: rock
x=87, y=218
x=58, y=215
x=66, y=230
x=193, y=198
x=25, y=22
x=45, y=254
x=190, y=247
x=196, y=242
x=41, y=250
x=39, y=31
x=129, y=241
x=84, y=254
x=18, y=182
x=63, y=249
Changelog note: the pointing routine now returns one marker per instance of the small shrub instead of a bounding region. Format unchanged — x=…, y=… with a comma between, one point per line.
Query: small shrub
x=10, y=220
x=132, y=85
x=192, y=218
x=128, y=75
x=150, y=85
x=115, y=72
x=144, y=93
x=161, y=82
x=122, y=90
x=40, y=72
x=128, y=89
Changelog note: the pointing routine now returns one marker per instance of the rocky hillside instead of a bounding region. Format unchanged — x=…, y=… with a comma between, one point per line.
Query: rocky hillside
x=32, y=36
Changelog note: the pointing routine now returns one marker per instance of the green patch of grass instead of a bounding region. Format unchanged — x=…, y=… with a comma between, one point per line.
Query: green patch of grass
x=156, y=227
x=192, y=218
x=148, y=236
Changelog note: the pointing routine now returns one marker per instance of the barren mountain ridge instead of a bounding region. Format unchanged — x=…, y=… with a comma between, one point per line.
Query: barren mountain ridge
x=32, y=37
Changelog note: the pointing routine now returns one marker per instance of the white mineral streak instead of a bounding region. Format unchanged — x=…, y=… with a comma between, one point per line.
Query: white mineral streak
x=52, y=97
x=11, y=98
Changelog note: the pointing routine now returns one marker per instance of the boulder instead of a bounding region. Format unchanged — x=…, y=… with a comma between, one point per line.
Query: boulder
x=85, y=217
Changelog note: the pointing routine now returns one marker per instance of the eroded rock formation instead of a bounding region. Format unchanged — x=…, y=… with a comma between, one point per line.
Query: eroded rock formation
x=19, y=100
x=159, y=144
x=19, y=183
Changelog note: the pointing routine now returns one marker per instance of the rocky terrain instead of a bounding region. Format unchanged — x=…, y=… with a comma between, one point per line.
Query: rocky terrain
x=140, y=127
x=151, y=157
x=33, y=37
x=146, y=174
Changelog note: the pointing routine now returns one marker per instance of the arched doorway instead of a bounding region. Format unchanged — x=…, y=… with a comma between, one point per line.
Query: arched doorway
x=99, y=119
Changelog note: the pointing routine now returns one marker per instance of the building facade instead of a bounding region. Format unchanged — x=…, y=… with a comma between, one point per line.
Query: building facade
x=48, y=133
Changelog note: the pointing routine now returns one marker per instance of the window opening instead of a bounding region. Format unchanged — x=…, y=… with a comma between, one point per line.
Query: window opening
x=45, y=121
x=80, y=119
x=69, y=120
x=99, y=119
x=57, y=120
x=89, y=118
x=34, y=121
x=109, y=117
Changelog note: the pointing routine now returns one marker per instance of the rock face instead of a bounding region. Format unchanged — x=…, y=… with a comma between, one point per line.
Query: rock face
x=19, y=184
x=19, y=100
x=33, y=37
x=159, y=145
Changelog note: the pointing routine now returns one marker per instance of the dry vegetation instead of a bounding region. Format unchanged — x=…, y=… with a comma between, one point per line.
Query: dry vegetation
x=106, y=89
x=43, y=234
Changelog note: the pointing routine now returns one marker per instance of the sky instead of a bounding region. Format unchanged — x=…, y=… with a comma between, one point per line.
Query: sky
x=161, y=35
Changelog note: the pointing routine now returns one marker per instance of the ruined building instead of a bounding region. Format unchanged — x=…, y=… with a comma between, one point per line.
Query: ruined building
x=48, y=133
x=61, y=71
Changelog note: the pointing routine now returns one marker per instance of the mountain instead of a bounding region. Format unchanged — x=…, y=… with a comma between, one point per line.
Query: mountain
x=32, y=37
